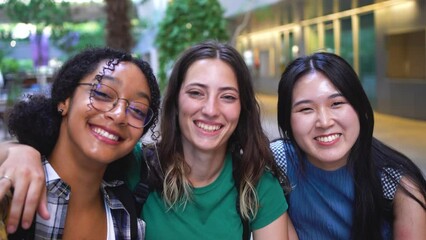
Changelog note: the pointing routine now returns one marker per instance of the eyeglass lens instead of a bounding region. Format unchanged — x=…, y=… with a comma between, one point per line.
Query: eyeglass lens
x=105, y=98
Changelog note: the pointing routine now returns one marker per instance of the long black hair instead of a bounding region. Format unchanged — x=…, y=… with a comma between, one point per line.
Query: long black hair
x=368, y=156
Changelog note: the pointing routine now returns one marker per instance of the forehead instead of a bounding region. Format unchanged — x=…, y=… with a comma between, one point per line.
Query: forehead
x=313, y=82
x=211, y=72
x=124, y=75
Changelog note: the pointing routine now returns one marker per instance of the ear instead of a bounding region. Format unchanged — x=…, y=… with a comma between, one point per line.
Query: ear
x=63, y=107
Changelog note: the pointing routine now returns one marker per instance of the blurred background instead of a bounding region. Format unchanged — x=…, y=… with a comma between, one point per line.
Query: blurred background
x=384, y=41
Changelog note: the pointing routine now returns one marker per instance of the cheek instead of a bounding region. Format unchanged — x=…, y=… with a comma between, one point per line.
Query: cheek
x=234, y=112
x=185, y=105
x=350, y=119
x=299, y=124
x=80, y=109
x=136, y=134
x=354, y=126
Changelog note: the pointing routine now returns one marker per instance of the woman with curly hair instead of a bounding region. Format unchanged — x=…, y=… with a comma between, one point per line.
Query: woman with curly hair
x=101, y=103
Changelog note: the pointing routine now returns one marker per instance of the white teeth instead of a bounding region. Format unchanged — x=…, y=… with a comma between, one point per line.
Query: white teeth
x=209, y=128
x=328, y=138
x=106, y=134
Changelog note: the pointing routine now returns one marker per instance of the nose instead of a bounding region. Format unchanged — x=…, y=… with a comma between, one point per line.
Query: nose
x=325, y=118
x=118, y=112
x=210, y=107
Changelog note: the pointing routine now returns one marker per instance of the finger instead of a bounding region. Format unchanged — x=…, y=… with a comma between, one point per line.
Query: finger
x=32, y=202
x=42, y=207
x=18, y=200
x=5, y=186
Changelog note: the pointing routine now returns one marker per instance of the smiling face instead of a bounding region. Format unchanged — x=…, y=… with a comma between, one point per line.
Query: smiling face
x=209, y=105
x=324, y=124
x=103, y=136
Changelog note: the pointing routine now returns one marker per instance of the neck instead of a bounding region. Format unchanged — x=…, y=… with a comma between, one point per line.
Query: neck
x=84, y=178
x=205, y=167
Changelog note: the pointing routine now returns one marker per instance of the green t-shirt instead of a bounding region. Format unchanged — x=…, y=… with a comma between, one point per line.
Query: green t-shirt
x=212, y=213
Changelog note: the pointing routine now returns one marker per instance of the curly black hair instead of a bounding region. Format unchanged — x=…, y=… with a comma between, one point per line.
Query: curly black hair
x=35, y=121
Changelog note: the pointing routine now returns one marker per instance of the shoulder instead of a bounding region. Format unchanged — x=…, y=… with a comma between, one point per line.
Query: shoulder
x=119, y=200
x=152, y=167
x=272, y=202
x=409, y=211
x=270, y=188
x=278, y=145
x=281, y=149
x=114, y=191
x=390, y=179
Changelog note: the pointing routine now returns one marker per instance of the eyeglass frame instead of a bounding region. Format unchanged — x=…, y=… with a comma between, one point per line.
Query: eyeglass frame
x=150, y=113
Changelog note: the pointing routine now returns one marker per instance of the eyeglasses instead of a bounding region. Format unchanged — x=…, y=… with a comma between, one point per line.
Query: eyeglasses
x=104, y=98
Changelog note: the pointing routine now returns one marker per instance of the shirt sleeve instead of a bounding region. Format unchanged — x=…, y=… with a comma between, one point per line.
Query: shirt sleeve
x=272, y=201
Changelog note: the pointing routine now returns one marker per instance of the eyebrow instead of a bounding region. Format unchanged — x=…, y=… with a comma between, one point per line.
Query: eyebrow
x=205, y=87
x=114, y=80
x=334, y=95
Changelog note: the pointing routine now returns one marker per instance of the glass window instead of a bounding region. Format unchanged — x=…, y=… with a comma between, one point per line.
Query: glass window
x=364, y=2
x=346, y=44
x=367, y=60
x=293, y=49
x=345, y=5
x=329, y=36
x=264, y=63
x=311, y=8
x=328, y=7
x=286, y=14
x=311, y=39
x=284, y=53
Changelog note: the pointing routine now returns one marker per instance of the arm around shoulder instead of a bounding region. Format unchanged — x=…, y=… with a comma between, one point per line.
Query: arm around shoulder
x=4, y=150
x=21, y=169
x=18, y=163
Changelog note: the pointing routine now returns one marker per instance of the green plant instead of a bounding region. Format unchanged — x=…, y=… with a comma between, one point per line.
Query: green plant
x=187, y=22
x=9, y=65
x=39, y=12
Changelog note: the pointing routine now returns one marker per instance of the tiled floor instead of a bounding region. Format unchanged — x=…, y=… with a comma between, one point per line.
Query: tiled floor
x=406, y=135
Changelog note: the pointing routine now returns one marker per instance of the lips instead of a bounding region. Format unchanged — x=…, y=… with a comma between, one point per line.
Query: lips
x=208, y=127
x=329, y=138
x=103, y=133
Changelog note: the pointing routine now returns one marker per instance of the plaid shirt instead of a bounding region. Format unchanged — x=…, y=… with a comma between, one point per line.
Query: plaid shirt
x=58, y=195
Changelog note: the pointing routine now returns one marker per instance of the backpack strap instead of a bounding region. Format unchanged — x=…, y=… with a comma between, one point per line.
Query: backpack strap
x=126, y=198
x=141, y=191
x=150, y=176
x=236, y=176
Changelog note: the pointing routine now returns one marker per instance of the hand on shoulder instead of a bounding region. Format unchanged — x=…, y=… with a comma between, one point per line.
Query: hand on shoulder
x=21, y=170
